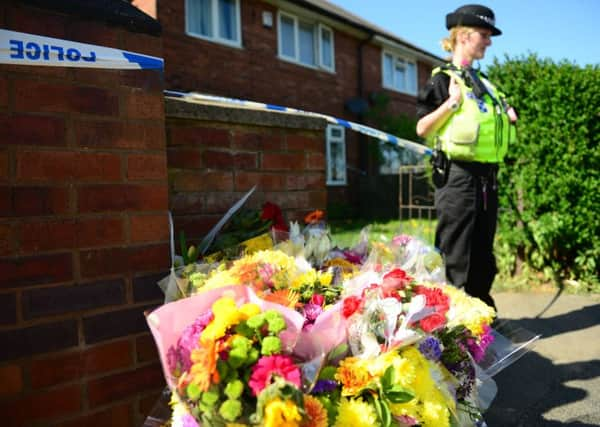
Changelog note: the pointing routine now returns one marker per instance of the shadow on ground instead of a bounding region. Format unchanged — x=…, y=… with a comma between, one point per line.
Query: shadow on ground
x=534, y=385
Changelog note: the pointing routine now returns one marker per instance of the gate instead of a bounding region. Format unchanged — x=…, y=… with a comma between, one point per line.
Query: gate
x=415, y=202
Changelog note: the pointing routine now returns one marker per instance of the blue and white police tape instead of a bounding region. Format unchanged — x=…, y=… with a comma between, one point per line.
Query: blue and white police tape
x=375, y=133
x=29, y=49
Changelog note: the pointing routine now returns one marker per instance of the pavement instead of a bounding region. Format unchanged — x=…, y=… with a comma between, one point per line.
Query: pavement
x=558, y=382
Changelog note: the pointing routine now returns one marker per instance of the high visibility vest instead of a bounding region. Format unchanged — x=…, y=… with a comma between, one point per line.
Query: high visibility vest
x=479, y=130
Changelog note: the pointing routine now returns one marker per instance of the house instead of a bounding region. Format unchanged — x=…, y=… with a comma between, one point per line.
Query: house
x=305, y=54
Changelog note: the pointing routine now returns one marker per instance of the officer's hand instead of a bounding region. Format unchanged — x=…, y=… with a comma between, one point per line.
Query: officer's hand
x=454, y=93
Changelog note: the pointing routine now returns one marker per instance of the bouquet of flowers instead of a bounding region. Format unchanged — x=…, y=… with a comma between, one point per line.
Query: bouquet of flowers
x=293, y=336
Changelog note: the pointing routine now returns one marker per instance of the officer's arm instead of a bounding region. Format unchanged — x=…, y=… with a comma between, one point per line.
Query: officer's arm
x=431, y=122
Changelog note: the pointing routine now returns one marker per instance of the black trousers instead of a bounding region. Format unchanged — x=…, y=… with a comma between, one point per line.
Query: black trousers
x=467, y=211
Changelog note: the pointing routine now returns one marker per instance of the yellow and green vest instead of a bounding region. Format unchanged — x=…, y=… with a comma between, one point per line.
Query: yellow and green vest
x=479, y=131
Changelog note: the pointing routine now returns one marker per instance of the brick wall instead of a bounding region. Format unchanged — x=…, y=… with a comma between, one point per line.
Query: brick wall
x=215, y=155
x=83, y=231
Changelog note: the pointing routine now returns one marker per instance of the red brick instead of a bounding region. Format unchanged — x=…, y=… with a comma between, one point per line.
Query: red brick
x=93, y=32
x=145, y=349
x=149, y=80
x=76, y=365
x=264, y=181
x=305, y=143
x=11, y=380
x=3, y=93
x=114, y=416
x=203, y=181
x=146, y=166
x=121, y=386
x=45, y=406
x=183, y=158
x=149, y=228
x=39, y=96
x=217, y=159
x=147, y=404
x=7, y=240
x=103, y=262
x=257, y=141
x=142, y=105
x=21, y=129
x=198, y=137
x=315, y=162
x=126, y=135
x=317, y=199
x=25, y=271
x=26, y=201
x=144, y=43
x=27, y=20
x=71, y=234
x=4, y=165
x=195, y=226
x=308, y=181
x=245, y=161
x=290, y=199
x=67, y=166
x=127, y=197
x=283, y=161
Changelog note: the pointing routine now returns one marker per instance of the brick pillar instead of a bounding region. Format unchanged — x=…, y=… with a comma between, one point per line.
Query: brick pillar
x=83, y=230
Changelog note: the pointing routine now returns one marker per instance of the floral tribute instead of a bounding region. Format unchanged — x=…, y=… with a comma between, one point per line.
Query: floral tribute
x=293, y=336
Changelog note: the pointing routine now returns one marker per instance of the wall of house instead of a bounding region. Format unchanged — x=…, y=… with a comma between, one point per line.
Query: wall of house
x=254, y=72
x=216, y=155
x=83, y=230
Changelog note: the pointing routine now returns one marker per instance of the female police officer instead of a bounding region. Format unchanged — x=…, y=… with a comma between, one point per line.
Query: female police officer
x=468, y=122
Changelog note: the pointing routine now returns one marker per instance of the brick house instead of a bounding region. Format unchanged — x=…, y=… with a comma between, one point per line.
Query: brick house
x=306, y=54
x=92, y=160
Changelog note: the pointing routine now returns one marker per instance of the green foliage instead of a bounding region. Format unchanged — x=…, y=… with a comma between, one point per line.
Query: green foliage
x=551, y=180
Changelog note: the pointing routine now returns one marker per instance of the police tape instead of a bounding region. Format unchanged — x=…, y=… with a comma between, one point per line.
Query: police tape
x=366, y=130
x=29, y=49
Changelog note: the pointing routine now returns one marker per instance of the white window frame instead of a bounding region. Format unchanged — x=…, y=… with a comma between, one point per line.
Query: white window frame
x=318, y=30
x=397, y=58
x=215, y=21
x=331, y=140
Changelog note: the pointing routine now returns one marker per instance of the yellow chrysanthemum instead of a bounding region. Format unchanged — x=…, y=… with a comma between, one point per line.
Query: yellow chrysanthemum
x=325, y=278
x=468, y=311
x=218, y=279
x=354, y=375
x=355, y=413
x=248, y=310
x=316, y=414
x=280, y=413
x=226, y=315
x=308, y=277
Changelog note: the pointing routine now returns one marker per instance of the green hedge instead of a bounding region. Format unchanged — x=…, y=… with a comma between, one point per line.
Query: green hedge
x=551, y=182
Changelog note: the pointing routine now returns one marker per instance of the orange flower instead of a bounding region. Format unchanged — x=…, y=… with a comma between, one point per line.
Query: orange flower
x=285, y=297
x=314, y=217
x=353, y=375
x=204, y=370
x=316, y=415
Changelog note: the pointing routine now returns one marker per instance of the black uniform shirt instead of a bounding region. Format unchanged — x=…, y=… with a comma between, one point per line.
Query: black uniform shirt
x=433, y=94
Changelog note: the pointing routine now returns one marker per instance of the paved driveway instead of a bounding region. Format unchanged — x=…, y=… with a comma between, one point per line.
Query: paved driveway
x=558, y=383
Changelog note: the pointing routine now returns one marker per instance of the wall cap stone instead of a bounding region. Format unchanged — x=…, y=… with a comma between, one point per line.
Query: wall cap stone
x=181, y=109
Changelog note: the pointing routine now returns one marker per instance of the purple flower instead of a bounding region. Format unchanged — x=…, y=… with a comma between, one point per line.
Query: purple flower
x=477, y=350
x=324, y=386
x=431, y=348
x=187, y=342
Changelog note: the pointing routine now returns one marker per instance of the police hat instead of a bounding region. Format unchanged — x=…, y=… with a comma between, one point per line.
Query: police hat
x=473, y=15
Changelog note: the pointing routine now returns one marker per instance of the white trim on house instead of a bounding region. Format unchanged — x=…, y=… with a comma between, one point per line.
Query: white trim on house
x=336, y=165
x=215, y=37
x=390, y=78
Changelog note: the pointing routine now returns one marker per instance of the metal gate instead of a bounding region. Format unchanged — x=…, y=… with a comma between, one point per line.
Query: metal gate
x=415, y=202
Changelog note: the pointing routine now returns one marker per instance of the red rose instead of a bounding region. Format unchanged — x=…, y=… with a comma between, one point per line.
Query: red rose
x=396, y=279
x=432, y=322
x=351, y=304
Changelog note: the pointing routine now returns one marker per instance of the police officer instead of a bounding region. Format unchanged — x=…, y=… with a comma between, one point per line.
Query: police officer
x=468, y=122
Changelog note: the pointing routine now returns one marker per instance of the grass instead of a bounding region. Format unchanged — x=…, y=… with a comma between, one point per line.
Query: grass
x=346, y=233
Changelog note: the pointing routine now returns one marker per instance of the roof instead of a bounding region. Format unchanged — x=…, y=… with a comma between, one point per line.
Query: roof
x=333, y=11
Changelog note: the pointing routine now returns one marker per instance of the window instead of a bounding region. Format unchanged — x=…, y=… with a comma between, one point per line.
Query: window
x=305, y=42
x=399, y=74
x=336, y=155
x=216, y=20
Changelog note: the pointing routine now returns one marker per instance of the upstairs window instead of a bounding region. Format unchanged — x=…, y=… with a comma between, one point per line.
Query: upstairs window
x=399, y=74
x=215, y=20
x=304, y=42
x=336, y=155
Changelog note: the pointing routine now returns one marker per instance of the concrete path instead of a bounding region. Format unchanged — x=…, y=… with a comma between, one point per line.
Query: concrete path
x=558, y=383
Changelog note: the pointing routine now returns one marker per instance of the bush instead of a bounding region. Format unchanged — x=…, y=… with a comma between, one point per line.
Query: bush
x=552, y=178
